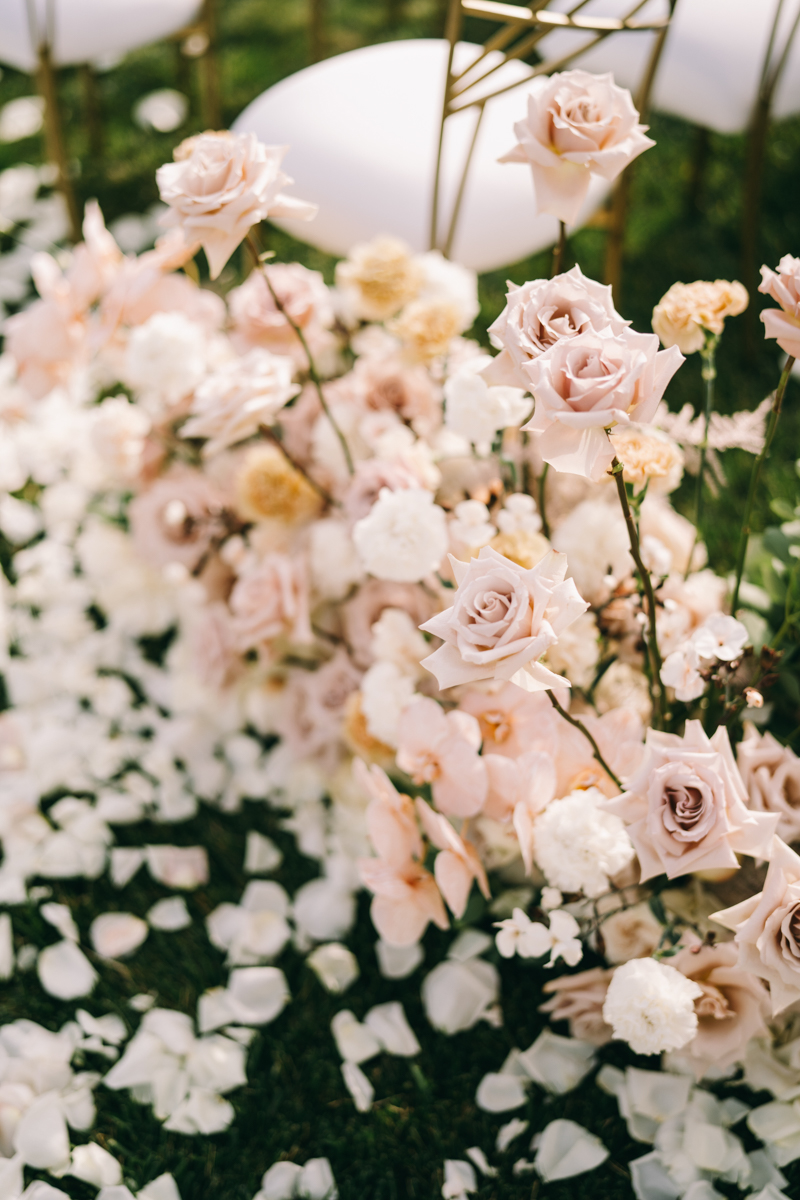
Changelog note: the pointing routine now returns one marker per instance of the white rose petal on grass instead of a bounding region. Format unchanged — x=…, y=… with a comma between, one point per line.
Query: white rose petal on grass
x=95, y=1165
x=651, y=1006
x=65, y=971
x=354, y=1041
x=457, y=995
x=170, y=914
x=116, y=935
x=481, y=1162
x=61, y=918
x=390, y=1025
x=404, y=537
x=566, y=1149
x=280, y=1182
x=557, y=1064
x=398, y=962
x=316, y=1180
x=258, y=994
x=125, y=862
x=110, y=1028
x=6, y=947
x=459, y=1179
x=163, y=1187
x=335, y=966
x=184, y=867
x=509, y=1132
x=323, y=910
x=39, y=1190
x=358, y=1086
x=261, y=855
x=500, y=1093
x=41, y=1137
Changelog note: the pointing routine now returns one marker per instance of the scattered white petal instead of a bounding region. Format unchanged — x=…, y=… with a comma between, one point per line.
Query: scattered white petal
x=354, y=1041
x=459, y=1179
x=95, y=1165
x=257, y=994
x=323, y=910
x=41, y=1136
x=60, y=917
x=397, y=962
x=335, y=966
x=358, y=1086
x=316, y=1181
x=184, y=867
x=390, y=1025
x=65, y=971
x=469, y=944
x=202, y=1111
x=557, y=1064
x=261, y=856
x=479, y=1158
x=6, y=947
x=458, y=994
x=162, y=1188
x=509, y=1132
x=110, y=1028
x=27, y=956
x=125, y=862
x=523, y=1167
x=170, y=914
x=142, y=1003
x=499, y=1093
x=280, y=1182
x=567, y=1149
x=117, y=934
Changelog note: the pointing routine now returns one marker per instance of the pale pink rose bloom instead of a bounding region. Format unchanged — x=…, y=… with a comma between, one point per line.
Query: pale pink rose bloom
x=771, y=774
x=370, y=476
x=686, y=806
x=542, y=312
x=230, y=404
x=269, y=600
x=213, y=647
x=312, y=708
x=388, y=384
x=586, y=384
x=221, y=184
x=177, y=518
x=509, y=718
x=257, y=320
x=578, y=125
x=731, y=1009
x=457, y=862
x=784, y=287
x=518, y=790
x=503, y=620
x=365, y=608
x=767, y=928
x=579, y=999
x=441, y=749
x=46, y=343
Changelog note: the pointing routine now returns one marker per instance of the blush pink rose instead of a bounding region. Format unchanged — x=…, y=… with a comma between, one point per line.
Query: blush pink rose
x=231, y=403
x=542, y=312
x=578, y=125
x=177, y=518
x=767, y=928
x=731, y=1009
x=503, y=620
x=365, y=608
x=783, y=286
x=441, y=749
x=686, y=809
x=257, y=320
x=220, y=185
x=771, y=774
x=586, y=384
x=579, y=999
x=313, y=706
x=269, y=600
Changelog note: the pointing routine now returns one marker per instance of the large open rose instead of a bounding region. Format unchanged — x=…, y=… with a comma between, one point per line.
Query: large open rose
x=542, y=312
x=767, y=928
x=222, y=183
x=586, y=384
x=578, y=125
x=783, y=286
x=686, y=806
x=503, y=620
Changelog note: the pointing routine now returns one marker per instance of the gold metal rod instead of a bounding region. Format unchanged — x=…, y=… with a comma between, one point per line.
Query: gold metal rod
x=452, y=30
x=546, y=68
x=209, y=63
x=54, y=137
x=451, y=233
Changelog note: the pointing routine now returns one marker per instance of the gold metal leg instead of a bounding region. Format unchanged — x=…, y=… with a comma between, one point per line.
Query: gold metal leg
x=54, y=138
x=209, y=67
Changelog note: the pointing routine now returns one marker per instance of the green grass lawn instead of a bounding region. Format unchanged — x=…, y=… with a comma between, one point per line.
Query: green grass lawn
x=295, y=1104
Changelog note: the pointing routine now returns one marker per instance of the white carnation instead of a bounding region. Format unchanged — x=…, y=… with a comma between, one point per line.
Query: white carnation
x=165, y=359
x=578, y=846
x=404, y=537
x=335, y=566
x=595, y=541
x=477, y=412
x=385, y=691
x=651, y=1006
x=577, y=651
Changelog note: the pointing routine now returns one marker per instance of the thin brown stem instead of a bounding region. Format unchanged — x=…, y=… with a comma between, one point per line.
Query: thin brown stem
x=559, y=250
x=292, y=461
x=595, y=748
x=656, y=687
x=755, y=476
x=709, y=375
x=543, y=500
x=312, y=370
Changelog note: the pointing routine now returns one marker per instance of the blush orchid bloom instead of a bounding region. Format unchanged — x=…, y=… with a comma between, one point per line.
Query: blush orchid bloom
x=518, y=790
x=441, y=749
x=457, y=862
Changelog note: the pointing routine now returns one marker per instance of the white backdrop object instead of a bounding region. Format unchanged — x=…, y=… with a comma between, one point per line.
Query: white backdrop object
x=711, y=66
x=362, y=130
x=85, y=30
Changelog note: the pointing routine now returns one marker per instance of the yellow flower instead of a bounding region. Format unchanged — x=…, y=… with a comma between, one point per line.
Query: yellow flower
x=268, y=486
x=381, y=276
x=427, y=327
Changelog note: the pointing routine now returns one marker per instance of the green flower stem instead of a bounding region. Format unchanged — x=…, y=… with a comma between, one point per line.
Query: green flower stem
x=595, y=748
x=708, y=355
x=755, y=477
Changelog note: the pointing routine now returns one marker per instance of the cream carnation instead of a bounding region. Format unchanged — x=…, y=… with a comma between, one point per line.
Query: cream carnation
x=542, y=312
x=578, y=125
x=222, y=183
x=378, y=278
x=649, y=457
x=688, y=311
x=577, y=847
x=404, y=537
x=586, y=384
x=427, y=327
x=242, y=394
x=651, y=1006
x=503, y=620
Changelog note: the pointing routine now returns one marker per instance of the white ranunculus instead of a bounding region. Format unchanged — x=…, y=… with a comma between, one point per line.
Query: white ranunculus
x=404, y=537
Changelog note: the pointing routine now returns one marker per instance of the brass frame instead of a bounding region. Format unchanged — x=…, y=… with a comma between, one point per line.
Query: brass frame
x=522, y=29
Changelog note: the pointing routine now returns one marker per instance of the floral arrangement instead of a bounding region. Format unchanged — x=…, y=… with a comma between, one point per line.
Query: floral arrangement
x=312, y=544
